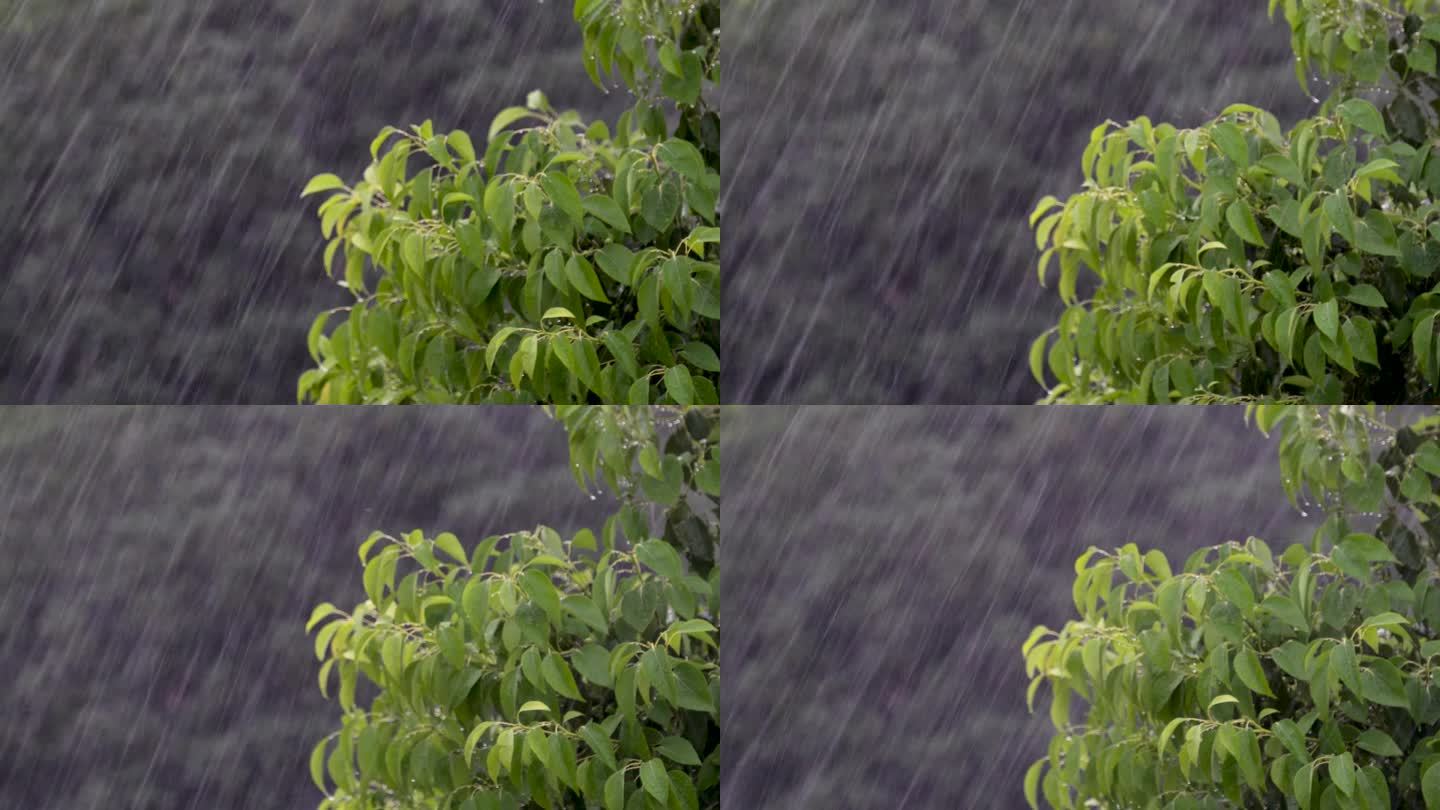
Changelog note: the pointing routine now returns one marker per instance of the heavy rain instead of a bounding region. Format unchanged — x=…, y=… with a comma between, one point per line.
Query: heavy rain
x=160, y=564
x=156, y=248
x=887, y=564
x=882, y=159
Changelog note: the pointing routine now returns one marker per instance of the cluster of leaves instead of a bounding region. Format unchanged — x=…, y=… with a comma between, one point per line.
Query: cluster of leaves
x=531, y=670
x=1248, y=679
x=562, y=263
x=1238, y=261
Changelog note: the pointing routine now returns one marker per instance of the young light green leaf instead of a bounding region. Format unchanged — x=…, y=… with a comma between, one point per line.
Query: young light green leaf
x=450, y=544
x=322, y=182
x=506, y=117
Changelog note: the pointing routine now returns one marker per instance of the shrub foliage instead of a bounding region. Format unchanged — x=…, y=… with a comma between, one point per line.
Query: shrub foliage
x=559, y=261
x=533, y=670
x=1237, y=260
x=1255, y=679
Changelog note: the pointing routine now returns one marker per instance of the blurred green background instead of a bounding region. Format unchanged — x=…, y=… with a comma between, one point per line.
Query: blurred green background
x=153, y=245
x=881, y=159
x=885, y=564
x=159, y=565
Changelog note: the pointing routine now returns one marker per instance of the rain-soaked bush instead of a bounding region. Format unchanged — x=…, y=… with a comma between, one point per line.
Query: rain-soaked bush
x=1236, y=260
x=558, y=262
x=1249, y=679
x=532, y=670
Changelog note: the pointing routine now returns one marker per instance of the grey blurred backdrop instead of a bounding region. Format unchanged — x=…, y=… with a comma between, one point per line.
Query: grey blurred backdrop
x=884, y=565
x=881, y=159
x=153, y=246
x=159, y=565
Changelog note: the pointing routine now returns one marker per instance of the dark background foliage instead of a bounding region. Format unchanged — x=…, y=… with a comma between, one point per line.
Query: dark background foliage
x=882, y=158
x=885, y=565
x=160, y=563
x=154, y=245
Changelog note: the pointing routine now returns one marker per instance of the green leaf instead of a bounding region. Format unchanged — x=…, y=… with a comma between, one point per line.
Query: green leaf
x=679, y=385
x=1366, y=295
x=1168, y=732
x=561, y=191
x=460, y=142
x=584, y=609
x=1327, y=318
x=1378, y=742
x=615, y=791
x=1231, y=140
x=1221, y=700
x=685, y=88
x=1366, y=547
x=701, y=356
x=1032, y=783
x=1342, y=773
x=1385, y=619
x=1422, y=343
x=558, y=676
x=322, y=182
x=1421, y=57
x=506, y=117
x=1286, y=610
x=1379, y=169
x=1337, y=212
x=659, y=205
x=678, y=750
x=1290, y=735
x=615, y=261
x=475, y=601
x=500, y=209
x=317, y=765
x=392, y=655
x=1247, y=666
x=1303, y=784
x=1282, y=166
x=1362, y=114
x=661, y=557
x=623, y=352
x=1242, y=220
x=655, y=780
x=450, y=544
x=1427, y=457
x=608, y=211
x=320, y=612
x=496, y=342
x=593, y=664
x=1430, y=787
x=683, y=157
x=1345, y=666
x=581, y=274
x=529, y=349
x=537, y=585
x=670, y=59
